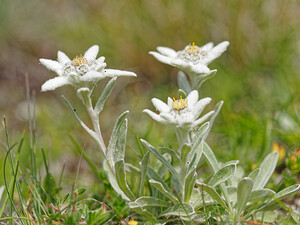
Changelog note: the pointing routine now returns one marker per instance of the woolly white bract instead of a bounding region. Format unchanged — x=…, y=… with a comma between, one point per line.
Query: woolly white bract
x=182, y=113
x=192, y=59
x=82, y=71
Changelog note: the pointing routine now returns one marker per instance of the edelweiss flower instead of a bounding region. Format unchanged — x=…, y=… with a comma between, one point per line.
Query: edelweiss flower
x=192, y=59
x=181, y=113
x=82, y=71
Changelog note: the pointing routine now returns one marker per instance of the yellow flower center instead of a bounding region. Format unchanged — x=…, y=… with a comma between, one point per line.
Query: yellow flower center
x=79, y=60
x=179, y=104
x=193, y=49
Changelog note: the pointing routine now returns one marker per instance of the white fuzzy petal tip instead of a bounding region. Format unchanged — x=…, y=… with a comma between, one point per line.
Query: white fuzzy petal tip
x=54, y=83
x=92, y=52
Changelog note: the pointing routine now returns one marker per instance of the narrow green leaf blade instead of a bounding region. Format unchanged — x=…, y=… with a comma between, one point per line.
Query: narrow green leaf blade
x=105, y=94
x=144, y=167
x=160, y=158
x=213, y=193
x=261, y=195
x=178, y=210
x=121, y=179
x=183, y=82
x=113, y=181
x=148, y=201
x=210, y=158
x=267, y=168
x=116, y=142
x=243, y=194
x=189, y=184
x=222, y=175
x=162, y=190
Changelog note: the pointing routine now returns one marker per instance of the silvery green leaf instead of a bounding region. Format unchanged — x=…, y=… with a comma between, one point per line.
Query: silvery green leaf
x=235, y=179
x=162, y=169
x=189, y=184
x=199, y=136
x=254, y=174
x=184, y=151
x=197, y=153
x=140, y=210
x=160, y=187
x=148, y=201
x=204, y=77
x=182, y=209
x=268, y=217
x=91, y=132
x=210, y=158
x=160, y=158
x=261, y=195
x=213, y=193
x=183, y=82
x=222, y=175
x=132, y=169
x=105, y=94
x=182, y=93
x=267, y=168
x=121, y=179
x=116, y=146
x=113, y=181
x=231, y=193
x=213, y=117
x=144, y=167
x=152, y=174
x=170, y=151
x=286, y=192
x=243, y=194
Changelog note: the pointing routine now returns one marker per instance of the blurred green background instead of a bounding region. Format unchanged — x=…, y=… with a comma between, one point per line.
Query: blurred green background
x=258, y=77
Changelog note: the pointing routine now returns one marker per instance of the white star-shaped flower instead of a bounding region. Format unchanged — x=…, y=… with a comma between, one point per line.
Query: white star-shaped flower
x=181, y=113
x=192, y=59
x=82, y=71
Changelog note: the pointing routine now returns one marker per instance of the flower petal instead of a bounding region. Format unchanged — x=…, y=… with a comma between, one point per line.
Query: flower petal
x=192, y=98
x=200, y=69
x=162, y=58
x=203, y=118
x=92, y=76
x=52, y=65
x=199, y=106
x=166, y=51
x=54, y=83
x=216, y=52
x=170, y=101
x=114, y=73
x=92, y=52
x=207, y=47
x=160, y=105
x=62, y=57
x=154, y=116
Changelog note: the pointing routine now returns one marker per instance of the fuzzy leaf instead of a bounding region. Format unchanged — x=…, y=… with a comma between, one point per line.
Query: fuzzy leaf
x=170, y=151
x=148, y=201
x=267, y=168
x=222, y=175
x=144, y=167
x=243, y=194
x=116, y=146
x=286, y=192
x=189, y=184
x=121, y=179
x=178, y=210
x=152, y=174
x=261, y=195
x=160, y=158
x=113, y=181
x=254, y=174
x=183, y=82
x=162, y=190
x=105, y=94
x=213, y=193
x=210, y=158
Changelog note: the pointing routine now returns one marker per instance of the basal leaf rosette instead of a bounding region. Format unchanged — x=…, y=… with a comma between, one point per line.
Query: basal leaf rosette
x=181, y=113
x=82, y=71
